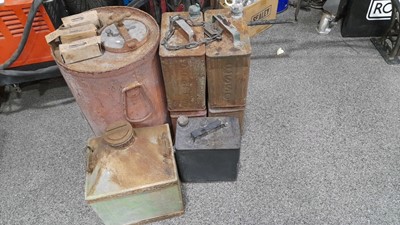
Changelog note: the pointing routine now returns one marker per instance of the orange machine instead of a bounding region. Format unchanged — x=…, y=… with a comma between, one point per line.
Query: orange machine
x=13, y=16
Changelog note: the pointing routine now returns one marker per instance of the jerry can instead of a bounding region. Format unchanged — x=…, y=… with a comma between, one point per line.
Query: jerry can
x=237, y=112
x=184, y=70
x=207, y=149
x=228, y=61
x=190, y=114
x=131, y=175
x=125, y=82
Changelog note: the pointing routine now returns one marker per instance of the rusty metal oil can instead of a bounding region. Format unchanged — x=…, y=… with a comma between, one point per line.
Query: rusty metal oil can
x=189, y=114
x=122, y=83
x=184, y=70
x=237, y=112
x=131, y=175
x=207, y=149
x=228, y=61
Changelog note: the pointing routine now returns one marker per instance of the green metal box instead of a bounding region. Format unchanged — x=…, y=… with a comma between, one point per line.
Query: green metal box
x=131, y=175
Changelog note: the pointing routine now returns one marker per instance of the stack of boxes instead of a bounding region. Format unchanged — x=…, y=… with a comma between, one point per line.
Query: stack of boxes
x=226, y=63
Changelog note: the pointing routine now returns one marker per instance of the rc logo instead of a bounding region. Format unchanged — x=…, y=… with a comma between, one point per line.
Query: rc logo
x=379, y=10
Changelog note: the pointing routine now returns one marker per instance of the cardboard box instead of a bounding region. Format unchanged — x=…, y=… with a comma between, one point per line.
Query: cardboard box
x=81, y=50
x=259, y=10
x=77, y=33
x=71, y=34
x=89, y=17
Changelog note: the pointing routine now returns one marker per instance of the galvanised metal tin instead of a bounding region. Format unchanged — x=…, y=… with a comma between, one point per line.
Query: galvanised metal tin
x=238, y=112
x=184, y=70
x=228, y=63
x=131, y=175
x=189, y=114
x=120, y=84
x=208, y=149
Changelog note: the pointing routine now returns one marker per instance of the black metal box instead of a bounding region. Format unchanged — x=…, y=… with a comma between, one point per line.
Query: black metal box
x=207, y=149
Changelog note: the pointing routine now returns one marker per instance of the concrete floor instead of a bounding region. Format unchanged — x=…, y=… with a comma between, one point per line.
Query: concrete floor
x=321, y=142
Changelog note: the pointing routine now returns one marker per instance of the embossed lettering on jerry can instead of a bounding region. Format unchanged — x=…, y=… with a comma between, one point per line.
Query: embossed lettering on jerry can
x=189, y=114
x=131, y=175
x=123, y=83
x=228, y=61
x=184, y=70
x=237, y=112
x=207, y=149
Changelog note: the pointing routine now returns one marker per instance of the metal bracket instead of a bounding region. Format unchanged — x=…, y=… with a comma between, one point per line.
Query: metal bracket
x=228, y=26
x=211, y=31
x=186, y=28
x=213, y=126
x=389, y=44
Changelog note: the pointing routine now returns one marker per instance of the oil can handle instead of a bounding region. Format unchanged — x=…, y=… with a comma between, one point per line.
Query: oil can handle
x=228, y=26
x=213, y=126
x=186, y=28
x=136, y=85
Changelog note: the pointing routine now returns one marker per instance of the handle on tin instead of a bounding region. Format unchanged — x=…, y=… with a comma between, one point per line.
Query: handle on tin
x=228, y=26
x=166, y=145
x=138, y=103
x=211, y=127
x=186, y=28
x=89, y=150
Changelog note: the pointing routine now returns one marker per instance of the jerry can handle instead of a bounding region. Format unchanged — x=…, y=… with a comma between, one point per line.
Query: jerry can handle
x=166, y=149
x=132, y=86
x=228, y=26
x=211, y=127
x=186, y=28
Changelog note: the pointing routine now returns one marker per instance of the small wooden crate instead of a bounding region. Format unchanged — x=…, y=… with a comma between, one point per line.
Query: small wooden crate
x=184, y=70
x=259, y=10
x=131, y=175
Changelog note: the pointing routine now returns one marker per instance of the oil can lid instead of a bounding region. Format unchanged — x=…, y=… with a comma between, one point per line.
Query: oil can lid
x=118, y=133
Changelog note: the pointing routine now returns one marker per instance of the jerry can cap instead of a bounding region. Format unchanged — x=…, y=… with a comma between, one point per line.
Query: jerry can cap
x=118, y=133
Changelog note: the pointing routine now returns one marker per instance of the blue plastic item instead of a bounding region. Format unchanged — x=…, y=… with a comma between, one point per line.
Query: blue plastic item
x=282, y=5
x=126, y=2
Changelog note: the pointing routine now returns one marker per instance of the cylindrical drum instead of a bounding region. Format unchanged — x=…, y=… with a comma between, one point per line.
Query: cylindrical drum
x=120, y=84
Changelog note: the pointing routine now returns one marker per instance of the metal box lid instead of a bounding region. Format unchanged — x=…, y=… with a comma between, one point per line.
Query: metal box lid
x=180, y=37
x=126, y=161
x=209, y=133
x=226, y=46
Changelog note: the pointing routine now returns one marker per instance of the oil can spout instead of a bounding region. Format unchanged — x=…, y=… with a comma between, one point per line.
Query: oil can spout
x=118, y=134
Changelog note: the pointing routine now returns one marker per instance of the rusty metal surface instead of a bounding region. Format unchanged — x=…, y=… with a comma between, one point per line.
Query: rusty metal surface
x=117, y=86
x=184, y=70
x=181, y=38
x=190, y=114
x=144, y=164
x=234, y=112
x=228, y=66
x=225, y=47
x=113, y=61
